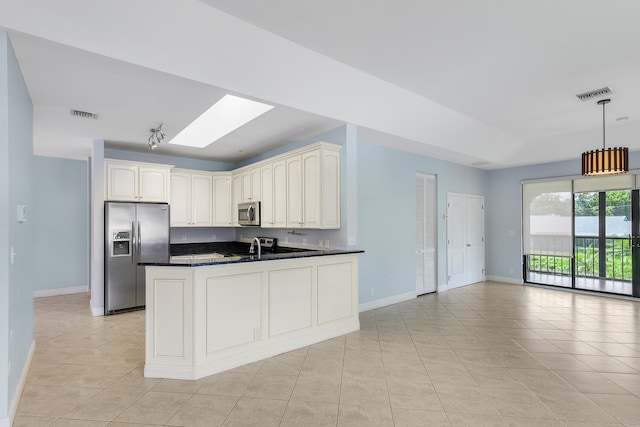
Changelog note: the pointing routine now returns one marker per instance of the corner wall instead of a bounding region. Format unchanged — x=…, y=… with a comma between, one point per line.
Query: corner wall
x=387, y=216
x=16, y=278
x=61, y=223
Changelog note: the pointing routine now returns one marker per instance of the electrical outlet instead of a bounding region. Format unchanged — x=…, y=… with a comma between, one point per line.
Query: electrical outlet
x=372, y=292
x=304, y=240
x=213, y=237
x=256, y=333
x=321, y=243
x=326, y=243
x=352, y=241
x=184, y=237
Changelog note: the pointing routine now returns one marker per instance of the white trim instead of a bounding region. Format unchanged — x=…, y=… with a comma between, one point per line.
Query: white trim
x=371, y=305
x=13, y=409
x=97, y=311
x=502, y=279
x=4, y=422
x=60, y=291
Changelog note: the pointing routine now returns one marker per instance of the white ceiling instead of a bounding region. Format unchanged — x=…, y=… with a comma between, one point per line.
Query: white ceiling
x=463, y=80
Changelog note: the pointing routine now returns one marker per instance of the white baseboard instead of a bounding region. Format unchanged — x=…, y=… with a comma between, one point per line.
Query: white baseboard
x=501, y=279
x=97, y=311
x=60, y=291
x=13, y=408
x=371, y=305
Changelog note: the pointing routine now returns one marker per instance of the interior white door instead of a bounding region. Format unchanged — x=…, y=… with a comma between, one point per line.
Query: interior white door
x=425, y=233
x=465, y=240
x=475, y=240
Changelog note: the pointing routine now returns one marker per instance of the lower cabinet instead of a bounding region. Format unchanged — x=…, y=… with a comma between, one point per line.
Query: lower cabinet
x=207, y=319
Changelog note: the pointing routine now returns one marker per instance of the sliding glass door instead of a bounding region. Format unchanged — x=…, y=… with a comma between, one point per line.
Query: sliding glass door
x=602, y=242
x=583, y=234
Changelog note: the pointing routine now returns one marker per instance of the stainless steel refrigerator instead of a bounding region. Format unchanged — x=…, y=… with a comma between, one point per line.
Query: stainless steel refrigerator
x=134, y=232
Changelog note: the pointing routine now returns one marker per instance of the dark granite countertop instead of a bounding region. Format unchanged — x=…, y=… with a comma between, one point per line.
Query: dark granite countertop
x=237, y=252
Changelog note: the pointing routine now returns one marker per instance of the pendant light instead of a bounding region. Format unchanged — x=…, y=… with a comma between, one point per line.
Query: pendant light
x=608, y=161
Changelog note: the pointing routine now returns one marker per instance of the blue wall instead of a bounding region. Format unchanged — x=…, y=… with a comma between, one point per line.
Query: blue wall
x=60, y=222
x=386, y=215
x=16, y=280
x=179, y=162
x=503, y=213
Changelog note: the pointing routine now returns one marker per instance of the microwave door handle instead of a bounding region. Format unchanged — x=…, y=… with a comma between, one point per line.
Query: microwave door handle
x=250, y=214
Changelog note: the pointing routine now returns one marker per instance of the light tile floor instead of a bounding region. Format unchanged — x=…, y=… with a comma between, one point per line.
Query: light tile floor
x=483, y=355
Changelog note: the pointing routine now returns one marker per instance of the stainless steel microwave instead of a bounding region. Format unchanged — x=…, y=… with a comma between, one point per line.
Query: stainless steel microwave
x=249, y=213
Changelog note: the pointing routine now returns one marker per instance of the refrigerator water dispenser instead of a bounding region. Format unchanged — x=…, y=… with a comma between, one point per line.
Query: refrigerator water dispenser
x=121, y=243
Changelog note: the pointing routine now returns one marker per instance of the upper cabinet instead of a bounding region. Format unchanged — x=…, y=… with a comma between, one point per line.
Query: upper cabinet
x=191, y=198
x=313, y=187
x=222, y=215
x=273, y=194
x=136, y=182
x=246, y=184
x=298, y=189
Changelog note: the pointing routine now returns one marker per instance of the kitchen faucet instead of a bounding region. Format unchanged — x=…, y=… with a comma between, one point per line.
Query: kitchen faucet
x=251, y=250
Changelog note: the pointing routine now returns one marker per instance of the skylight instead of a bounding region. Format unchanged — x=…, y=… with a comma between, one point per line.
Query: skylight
x=221, y=118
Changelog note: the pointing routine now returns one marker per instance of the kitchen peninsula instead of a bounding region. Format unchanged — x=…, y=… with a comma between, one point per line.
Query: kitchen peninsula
x=221, y=307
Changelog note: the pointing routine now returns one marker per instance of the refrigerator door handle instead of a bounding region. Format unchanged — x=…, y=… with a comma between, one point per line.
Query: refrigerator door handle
x=134, y=243
x=139, y=241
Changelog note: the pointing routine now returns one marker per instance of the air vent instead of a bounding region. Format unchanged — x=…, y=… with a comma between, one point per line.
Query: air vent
x=587, y=96
x=84, y=114
x=480, y=163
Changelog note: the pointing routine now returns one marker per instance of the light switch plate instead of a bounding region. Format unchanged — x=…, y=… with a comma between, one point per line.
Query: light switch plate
x=22, y=213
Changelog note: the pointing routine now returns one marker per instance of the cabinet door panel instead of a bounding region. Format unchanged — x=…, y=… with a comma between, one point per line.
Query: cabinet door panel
x=294, y=192
x=334, y=292
x=234, y=301
x=201, y=194
x=255, y=184
x=153, y=184
x=236, y=197
x=312, y=195
x=290, y=300
x=266, y=196
x=280, y=194
x=331, y=189
x=122, y=182
x=180, y=200
x=222, y=201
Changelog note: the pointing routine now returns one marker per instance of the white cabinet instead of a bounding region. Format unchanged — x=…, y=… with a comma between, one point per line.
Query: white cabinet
x=294, y=191
x=136, y=182
x=206, y=319
x=273, y=194
x=313, y=188
x=191, y=199
x=222, y=215
x=248, y=182
x=279, y=194
x=236, y=197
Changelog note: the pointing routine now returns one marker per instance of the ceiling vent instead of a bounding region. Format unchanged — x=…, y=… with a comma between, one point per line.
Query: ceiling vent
x=480, y=163
x=587, y=96
x=84, y=114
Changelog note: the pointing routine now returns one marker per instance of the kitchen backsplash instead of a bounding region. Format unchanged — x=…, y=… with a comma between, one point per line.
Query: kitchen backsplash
x=201, y=234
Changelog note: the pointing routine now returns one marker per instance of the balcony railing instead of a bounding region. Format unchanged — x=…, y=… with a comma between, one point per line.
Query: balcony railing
x=587, y=259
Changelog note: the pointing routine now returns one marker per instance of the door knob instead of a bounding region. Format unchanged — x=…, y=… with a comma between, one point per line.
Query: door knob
x=468, y=245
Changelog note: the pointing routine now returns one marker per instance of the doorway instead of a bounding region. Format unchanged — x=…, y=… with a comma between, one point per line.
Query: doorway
x=465, y=239
x=426, y=234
